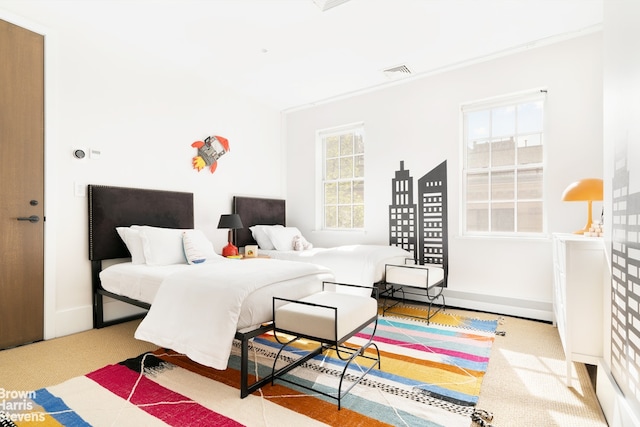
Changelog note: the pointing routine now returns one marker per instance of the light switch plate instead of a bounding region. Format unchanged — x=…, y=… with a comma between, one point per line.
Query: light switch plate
x=79, y=189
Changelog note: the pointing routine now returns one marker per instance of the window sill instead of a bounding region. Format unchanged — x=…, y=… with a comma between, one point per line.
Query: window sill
x=335, y=231
x=543, y=237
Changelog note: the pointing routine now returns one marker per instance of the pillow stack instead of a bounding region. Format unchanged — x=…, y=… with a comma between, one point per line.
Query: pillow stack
x=166, y=246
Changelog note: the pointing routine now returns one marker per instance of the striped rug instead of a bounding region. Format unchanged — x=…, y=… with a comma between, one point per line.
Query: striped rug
x=430, y=376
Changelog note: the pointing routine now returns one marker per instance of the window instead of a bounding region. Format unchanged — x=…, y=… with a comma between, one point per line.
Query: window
x=342, y=178
x=503, y=166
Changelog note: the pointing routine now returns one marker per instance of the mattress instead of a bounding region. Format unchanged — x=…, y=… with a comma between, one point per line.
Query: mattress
x=141, y=282
x=137, y=281
x=353, y=264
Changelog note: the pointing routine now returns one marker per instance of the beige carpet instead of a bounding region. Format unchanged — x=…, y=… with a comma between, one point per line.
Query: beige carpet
x=524, y=384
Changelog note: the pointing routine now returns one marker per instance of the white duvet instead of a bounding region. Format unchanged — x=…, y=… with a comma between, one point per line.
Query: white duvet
x=354, y=264
x=196, y=312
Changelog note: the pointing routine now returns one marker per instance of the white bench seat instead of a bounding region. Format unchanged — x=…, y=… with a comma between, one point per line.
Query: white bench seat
x=425, y=281
x=328, y=316
x=417, y=276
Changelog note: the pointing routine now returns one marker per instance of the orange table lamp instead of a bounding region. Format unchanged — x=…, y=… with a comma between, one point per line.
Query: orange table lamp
x=585, y=190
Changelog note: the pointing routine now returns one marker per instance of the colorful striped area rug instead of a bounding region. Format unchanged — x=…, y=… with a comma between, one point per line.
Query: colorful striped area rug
x=430, y=376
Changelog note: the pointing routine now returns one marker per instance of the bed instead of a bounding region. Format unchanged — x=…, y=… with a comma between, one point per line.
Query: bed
x=355, y=264
x=178, y=295
x=389, y=268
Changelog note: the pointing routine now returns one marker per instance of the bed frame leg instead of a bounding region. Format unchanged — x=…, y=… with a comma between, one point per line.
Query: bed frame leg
x=98, y=313
x=244, y=368
x=246, y=388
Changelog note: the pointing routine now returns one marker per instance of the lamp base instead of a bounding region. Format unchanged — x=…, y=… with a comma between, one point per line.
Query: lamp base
x=589, y=220
x=229, y=250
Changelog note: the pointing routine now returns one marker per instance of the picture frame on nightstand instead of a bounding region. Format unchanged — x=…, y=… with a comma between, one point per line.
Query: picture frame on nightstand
x=251, y=251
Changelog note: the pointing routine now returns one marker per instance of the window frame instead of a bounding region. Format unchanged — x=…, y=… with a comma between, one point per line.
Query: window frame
x=321, y=163
x=512, y=100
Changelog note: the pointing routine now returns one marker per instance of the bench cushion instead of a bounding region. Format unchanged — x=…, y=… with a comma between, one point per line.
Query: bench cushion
x=414, y=275
x=319, y=322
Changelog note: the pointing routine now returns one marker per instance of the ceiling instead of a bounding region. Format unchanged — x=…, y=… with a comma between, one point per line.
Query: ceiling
x=289, y=53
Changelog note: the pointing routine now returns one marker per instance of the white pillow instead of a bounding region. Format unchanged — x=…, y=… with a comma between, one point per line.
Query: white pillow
x=131, y=238
x=197, y=248
x=261, y=237
x=162, y=246
x=282, y=237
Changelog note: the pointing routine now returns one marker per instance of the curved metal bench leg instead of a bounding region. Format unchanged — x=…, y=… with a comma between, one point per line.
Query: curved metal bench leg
x=432, y=299
x=275, y=360
x=359, y=352
x=275, y=374
x=340, y=351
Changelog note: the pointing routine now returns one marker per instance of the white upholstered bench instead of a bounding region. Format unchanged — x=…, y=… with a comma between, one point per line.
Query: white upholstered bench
x=330, y=318
x=413, y=279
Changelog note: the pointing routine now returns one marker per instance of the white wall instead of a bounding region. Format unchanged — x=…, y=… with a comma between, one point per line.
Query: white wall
x=142, y=116
x=419, y=122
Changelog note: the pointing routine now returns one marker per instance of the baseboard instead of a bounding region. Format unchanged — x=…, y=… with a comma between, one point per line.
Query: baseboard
x=614, y=406
x=72, y=321
x=528, y=309
x=80, y=319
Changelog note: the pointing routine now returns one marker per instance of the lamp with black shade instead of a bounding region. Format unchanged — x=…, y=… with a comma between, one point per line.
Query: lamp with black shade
x=232, y=222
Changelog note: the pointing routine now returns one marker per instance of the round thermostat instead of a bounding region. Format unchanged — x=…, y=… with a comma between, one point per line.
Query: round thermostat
x=79, y=153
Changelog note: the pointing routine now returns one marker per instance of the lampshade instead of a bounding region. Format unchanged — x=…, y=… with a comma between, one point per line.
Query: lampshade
x=585, y=190
x=231, y=221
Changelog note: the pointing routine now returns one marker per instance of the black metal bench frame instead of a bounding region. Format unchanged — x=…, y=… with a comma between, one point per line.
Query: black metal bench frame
x=343, y=352
x=389, y=291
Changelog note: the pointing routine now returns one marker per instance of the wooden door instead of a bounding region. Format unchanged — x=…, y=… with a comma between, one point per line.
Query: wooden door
x=21, y=185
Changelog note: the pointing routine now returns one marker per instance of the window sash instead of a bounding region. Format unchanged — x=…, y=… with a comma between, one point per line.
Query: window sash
x=342, y=182
x=503, y=169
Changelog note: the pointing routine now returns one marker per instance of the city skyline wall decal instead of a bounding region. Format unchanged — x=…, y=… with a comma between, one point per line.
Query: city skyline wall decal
x=419, y=225
x=625, y=277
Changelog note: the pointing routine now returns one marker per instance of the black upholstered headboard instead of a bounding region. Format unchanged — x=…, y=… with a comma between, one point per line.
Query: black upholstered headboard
x=111, y=207
x=257, y=211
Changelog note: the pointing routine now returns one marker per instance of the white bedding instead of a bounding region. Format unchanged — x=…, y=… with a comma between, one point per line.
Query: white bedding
x=354, y=264
x=197, y=310
x=137, y=281
x=141, y=282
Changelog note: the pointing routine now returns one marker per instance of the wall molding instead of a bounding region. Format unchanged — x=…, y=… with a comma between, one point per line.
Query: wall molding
x=527, y=309
x=80, y=319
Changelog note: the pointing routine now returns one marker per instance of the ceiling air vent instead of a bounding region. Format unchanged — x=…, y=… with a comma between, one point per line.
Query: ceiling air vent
x=397, y=72
x=328, y=4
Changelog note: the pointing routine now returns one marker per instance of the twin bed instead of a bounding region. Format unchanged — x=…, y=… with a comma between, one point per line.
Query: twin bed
x=195, y=309
x=355, y=264
x=199, y=308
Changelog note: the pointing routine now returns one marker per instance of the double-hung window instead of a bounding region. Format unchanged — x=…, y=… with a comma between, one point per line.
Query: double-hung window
x=342, y=182
x=503, y=170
